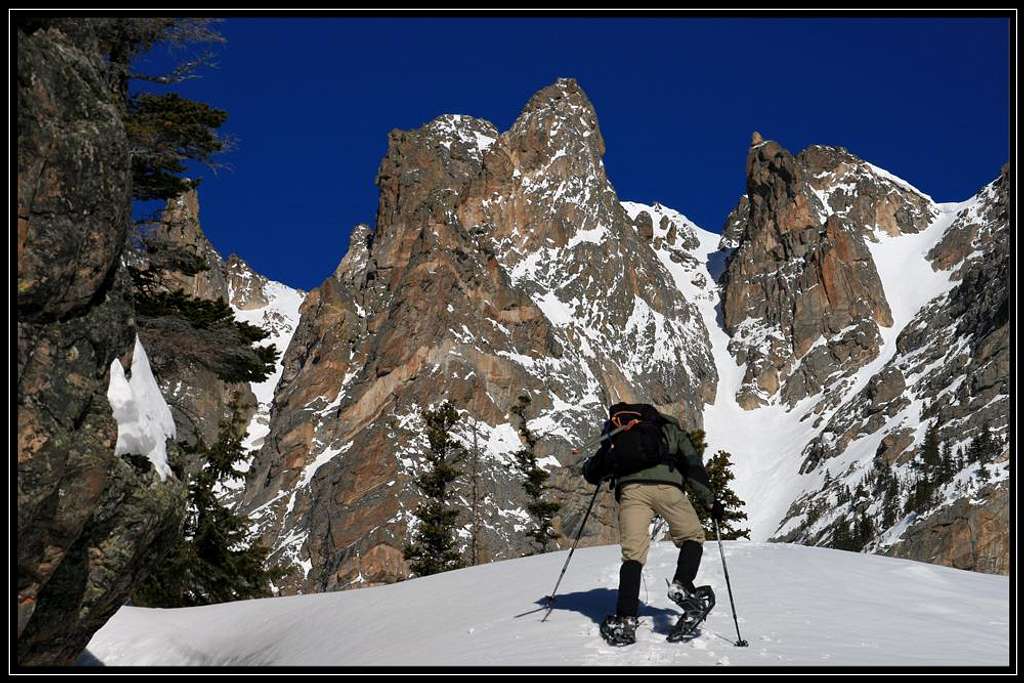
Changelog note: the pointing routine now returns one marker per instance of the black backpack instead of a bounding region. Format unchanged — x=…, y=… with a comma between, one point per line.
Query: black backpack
x=642, y=443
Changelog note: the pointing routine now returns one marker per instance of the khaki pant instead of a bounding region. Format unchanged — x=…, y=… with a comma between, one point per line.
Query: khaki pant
x=637, y=506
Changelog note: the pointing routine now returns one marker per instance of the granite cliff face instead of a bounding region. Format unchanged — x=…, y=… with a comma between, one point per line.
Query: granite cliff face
x=89, y=523
x=500, y=264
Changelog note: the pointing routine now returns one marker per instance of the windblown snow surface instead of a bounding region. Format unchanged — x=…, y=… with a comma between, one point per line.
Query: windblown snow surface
x=797, y=606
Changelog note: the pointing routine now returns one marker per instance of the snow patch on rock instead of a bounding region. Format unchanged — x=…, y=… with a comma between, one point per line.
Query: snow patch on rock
x=144, y=421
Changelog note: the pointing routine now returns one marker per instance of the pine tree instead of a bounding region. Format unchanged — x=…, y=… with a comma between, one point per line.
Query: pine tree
x=699, y=440
x=947, y=466
x=860, y=494
x=477, y=552
x=842, y=539
x=719, y=469
x=976, y=449
x=983, y=475
x=930, y=453
x=988, y=447
x=227, y=350
x=217, y=558
x=865, y=531
x=164, y=132
x=911, y=503
x=533, y=479
x=887, y=490
x=928, y=465
x=434, y=544
x=843, y=495
x=891, y=501
x=814, y=511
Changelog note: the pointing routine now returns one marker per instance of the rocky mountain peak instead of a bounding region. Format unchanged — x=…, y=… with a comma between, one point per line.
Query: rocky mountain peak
x=865, y=195
x=558, y=118
x=245, y=286
x=800, y=272
x=485, y=278
x=473, y=134
x=756, y=139
x=180, y=255
x=780, y=202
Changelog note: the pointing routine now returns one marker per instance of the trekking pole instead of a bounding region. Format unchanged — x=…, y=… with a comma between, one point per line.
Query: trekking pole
x=579, y=533
x=657, y=528
x=583, y=524
x=739, y=640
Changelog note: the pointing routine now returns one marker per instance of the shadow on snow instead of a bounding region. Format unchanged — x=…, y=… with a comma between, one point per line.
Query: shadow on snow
x=597, y=603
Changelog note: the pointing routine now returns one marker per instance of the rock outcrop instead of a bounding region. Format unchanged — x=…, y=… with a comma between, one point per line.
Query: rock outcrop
x=500, y=264
x=89, y=523
x=803, y=301
x=972, y=533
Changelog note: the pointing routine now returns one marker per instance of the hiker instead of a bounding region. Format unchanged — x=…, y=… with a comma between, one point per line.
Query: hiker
x=649, y=463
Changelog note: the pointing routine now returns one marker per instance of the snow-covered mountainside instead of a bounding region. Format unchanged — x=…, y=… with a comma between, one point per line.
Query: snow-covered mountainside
x=797, y=606
x=273, y=307
x=841, y=314
x=792, y=462
x=501, y=265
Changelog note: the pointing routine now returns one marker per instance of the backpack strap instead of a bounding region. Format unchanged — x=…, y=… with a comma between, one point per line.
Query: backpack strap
x=627, y=419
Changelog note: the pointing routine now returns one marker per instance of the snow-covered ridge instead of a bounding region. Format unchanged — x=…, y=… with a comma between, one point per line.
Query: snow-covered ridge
x=797, y=606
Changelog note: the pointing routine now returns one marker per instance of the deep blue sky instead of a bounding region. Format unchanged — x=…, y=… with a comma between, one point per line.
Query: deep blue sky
x=311, y=102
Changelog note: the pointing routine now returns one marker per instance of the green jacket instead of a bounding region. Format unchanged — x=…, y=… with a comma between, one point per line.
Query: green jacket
x=690, y=467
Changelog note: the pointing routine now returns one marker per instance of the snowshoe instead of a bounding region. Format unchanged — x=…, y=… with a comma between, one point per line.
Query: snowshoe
x=618, y=631
x=696, y=605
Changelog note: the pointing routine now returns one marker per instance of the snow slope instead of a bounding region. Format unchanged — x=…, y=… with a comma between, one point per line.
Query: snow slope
x=797, y=605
